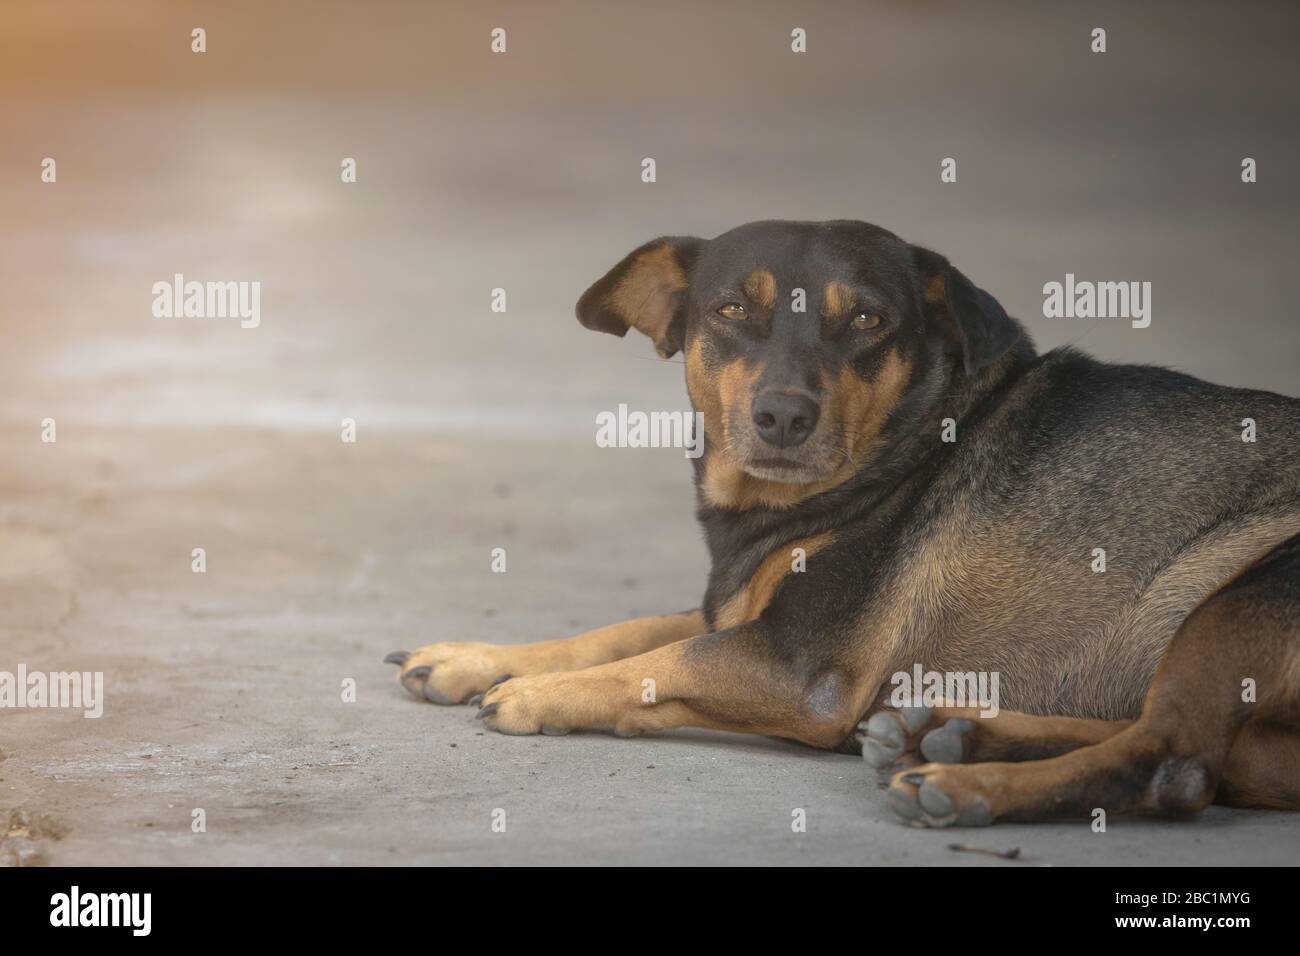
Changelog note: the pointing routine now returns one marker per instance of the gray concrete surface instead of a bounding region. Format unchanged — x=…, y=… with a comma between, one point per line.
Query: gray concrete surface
x=224, y=689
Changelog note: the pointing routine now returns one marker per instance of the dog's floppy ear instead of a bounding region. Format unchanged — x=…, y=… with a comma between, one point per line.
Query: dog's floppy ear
x=972, y=318
x=646, y=291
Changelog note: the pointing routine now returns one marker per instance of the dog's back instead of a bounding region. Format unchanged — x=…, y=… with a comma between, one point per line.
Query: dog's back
x=1086, y=510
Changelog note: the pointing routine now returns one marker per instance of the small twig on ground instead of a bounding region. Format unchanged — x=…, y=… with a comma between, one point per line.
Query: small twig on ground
x=1012, y=854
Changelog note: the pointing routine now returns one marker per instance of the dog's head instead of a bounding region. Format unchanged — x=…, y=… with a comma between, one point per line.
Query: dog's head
x=800, y=340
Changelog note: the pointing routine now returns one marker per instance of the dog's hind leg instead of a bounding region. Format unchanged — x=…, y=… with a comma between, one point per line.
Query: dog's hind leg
x=1263, y=769
x=1221, y=719
x=894, y=739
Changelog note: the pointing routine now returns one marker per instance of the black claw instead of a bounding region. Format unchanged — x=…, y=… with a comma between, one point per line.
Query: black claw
x=488, y=711
x=419, y=673
x=475, y=700
x=500, y=680
x=397, y=657
x=914, y=778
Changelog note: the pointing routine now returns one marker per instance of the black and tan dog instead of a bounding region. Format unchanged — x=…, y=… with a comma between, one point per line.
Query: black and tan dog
x=1170, y=680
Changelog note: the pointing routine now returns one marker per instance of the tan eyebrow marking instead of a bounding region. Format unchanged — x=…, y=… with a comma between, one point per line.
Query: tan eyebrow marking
x=935, y=291
x=837, y=299
x=760, y=287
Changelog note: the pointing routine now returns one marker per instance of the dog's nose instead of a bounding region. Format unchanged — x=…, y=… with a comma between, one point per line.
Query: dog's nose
x=785, y=420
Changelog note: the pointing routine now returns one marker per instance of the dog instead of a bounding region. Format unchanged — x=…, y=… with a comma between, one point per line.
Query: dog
x=892, y=476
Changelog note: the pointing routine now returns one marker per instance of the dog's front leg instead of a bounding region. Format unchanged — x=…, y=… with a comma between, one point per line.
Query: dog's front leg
x=728, y=680
x=453, y=672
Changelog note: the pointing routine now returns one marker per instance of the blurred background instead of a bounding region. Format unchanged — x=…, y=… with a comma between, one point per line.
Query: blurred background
x=519, y=171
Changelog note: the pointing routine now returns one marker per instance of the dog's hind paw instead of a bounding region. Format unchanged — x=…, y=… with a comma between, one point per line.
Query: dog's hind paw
x=936, y=796
x=896, y=739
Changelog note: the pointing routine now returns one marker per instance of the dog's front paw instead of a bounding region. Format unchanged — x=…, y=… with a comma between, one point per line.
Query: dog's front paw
x=592, y=699
x=529, y=705
x=451, y=673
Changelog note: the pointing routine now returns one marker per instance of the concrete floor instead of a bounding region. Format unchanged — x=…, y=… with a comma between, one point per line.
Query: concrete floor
x=475, y=429
x=223, y=689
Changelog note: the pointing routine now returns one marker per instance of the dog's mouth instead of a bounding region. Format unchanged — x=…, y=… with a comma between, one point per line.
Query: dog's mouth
x=814, y=459
x=779, y=468
x=778, y=463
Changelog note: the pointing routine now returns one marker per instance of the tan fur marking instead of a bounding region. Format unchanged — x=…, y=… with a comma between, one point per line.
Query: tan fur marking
x=1012, y=736
x=861, y=406
x=644, y=297
x=699, y=385
x=760, y=287
x=718, y=394
x=838, y=298
x=936, y=292
x=735, y=692
x=1263, y=768
x=750, y=601
x=461, y=669
x=611, y=642
x=735, y=390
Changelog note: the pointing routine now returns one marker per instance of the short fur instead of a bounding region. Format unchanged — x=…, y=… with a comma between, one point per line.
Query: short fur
x=974, y=554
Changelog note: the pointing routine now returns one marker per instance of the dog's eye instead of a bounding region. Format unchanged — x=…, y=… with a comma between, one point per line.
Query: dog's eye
x=733, y=310
x=866, y=320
